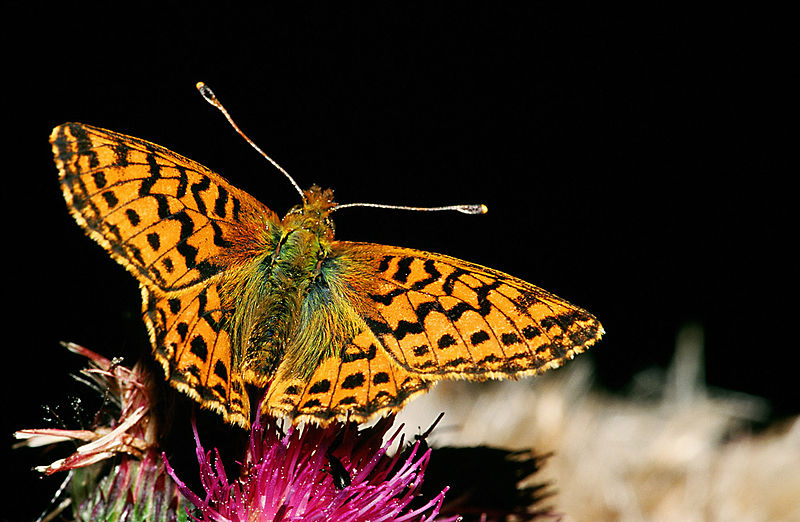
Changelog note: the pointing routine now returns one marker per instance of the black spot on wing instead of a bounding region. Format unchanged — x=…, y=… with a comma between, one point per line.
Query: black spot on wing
x=155, y=173
x=354, y=353
x=387, y=298
x=196, y=189
x=110, y=198
x=313, y=403
x=455, y=313
x=419, y=351
x=121, y=151
x=219, y=239
x=445, y=341
x=383, y=266
x=322, y=386
x=183, y=181
x=99, y=178
x=427, y=307
x=133, y=217
x=403, y=269
x=406, y=327
x=531, y=332
x=154, y=240
x=221, y=201
x=174, y=305
x=199, y=348
x=221, y=371
x=354, y=380
x=433, y=275
x=479, y=337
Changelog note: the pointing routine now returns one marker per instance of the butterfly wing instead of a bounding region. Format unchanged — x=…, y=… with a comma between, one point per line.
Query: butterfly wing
x=170, y=222
x=429, y=317
x=165, y=218
x=189, y=342
x=364, y=382
x=441, y=317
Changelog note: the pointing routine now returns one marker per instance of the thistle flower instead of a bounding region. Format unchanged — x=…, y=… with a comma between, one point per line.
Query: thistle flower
x=116, y=472
x=130, y=432
x=310, y=473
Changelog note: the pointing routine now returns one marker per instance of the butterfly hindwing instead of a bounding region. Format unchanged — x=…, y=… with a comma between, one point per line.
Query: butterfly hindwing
x=364, y=382
x=440, y=317
x=194, y=349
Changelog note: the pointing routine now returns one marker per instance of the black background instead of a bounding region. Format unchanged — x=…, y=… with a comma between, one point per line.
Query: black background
x=630, y=159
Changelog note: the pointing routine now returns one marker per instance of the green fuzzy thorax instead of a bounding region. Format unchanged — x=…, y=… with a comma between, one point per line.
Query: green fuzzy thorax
x=291, y=303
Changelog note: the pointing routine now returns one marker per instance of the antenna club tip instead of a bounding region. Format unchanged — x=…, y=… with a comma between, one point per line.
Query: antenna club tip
x=207, y=93
x=484, y=209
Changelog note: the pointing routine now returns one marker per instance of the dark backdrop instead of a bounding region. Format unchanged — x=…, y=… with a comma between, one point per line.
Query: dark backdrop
x=629, y=158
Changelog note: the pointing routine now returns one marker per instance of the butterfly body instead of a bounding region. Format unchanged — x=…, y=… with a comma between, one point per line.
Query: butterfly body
x=234, y=295
x=296, y=298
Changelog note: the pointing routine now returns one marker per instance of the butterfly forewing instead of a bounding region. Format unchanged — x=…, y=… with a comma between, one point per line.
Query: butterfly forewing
x=439, y=316
x=164, y=217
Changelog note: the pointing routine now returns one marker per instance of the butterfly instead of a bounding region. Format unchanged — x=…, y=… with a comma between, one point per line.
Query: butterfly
x=233, y=295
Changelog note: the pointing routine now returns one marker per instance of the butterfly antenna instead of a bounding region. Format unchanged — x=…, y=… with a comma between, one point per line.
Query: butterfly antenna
x=210, y=97
x=464, y=209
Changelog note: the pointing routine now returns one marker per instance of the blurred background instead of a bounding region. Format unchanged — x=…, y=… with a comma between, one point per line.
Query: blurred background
x=631, y=160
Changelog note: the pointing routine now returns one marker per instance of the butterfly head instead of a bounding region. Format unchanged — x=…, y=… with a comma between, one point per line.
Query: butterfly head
x=318, y=200
x=314, y=214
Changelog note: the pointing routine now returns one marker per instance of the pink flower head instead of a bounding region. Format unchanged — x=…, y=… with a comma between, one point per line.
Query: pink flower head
x=337, y=473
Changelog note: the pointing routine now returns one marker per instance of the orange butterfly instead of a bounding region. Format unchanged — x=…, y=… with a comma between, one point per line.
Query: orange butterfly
x=232, y=294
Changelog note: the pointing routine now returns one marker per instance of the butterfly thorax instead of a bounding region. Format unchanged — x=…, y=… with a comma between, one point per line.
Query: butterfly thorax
x=290, y=305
